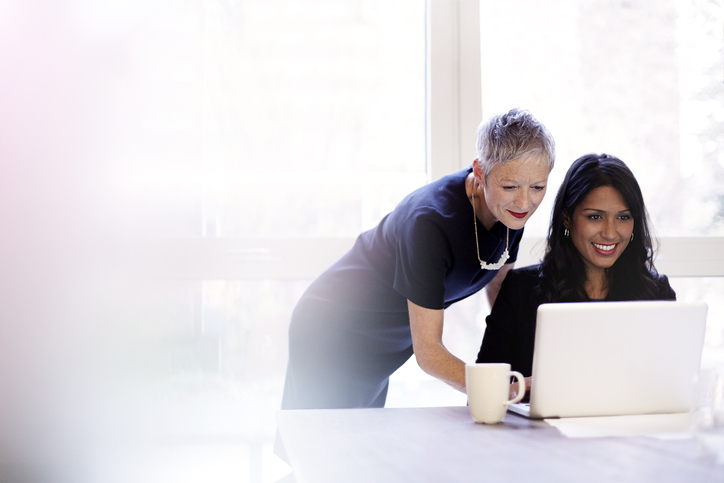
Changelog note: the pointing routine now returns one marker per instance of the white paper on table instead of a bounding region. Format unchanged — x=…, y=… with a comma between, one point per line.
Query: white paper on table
x=662, y=426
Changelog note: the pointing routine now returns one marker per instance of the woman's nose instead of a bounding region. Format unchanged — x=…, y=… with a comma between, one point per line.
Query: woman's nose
x=608, y=230
x=523, y=200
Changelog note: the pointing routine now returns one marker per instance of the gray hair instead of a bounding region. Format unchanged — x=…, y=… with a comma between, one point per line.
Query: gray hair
x=513, y=135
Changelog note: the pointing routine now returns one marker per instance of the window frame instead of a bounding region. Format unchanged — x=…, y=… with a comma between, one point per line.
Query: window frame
x=453, y=110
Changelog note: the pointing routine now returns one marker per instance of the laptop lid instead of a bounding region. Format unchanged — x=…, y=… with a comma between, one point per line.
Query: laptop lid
x=616, y=358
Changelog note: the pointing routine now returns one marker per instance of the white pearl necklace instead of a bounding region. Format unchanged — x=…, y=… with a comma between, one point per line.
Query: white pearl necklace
x=503, y=257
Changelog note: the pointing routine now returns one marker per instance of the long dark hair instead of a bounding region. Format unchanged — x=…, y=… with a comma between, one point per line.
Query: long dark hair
x=563, y=274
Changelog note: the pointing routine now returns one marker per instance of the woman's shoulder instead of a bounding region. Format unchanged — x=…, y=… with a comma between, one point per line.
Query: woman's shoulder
x=520, y=290
x=659, y=277
x=663, y=288
x=524, y=276
x=442, y=196
x=527, y=271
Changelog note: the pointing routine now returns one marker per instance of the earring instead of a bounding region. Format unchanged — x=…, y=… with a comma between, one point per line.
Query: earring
x=631, y=236
x=566, y=233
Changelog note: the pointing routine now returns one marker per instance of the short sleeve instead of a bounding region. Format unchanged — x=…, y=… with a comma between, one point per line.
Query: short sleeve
x=423, y=256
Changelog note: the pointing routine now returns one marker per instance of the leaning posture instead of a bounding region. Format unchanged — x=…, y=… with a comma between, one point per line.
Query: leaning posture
x=383, y=300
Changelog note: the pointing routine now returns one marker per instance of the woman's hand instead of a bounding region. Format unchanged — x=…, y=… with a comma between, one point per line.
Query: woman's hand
x=513, y=391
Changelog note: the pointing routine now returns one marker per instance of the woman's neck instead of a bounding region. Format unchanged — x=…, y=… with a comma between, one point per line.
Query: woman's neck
x=596, y=285
x=476, y=195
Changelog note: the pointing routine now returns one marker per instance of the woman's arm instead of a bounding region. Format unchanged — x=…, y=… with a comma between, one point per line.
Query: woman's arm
x=432, y=355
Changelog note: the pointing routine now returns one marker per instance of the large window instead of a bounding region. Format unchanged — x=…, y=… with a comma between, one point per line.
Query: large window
x=639, y=79
x=240, y=146
x=271, y=119
x=265, y=136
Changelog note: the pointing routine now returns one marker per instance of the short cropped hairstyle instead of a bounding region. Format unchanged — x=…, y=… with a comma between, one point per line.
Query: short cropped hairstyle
x=513, y=135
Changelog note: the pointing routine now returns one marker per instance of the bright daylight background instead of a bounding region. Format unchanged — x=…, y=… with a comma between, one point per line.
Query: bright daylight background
x=174, y=174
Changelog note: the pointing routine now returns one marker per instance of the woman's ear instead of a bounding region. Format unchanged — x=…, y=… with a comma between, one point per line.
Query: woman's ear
x=566, y=222
x=478, y=171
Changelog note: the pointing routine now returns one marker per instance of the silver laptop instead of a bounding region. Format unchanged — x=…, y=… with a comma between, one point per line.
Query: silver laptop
x=615, y=358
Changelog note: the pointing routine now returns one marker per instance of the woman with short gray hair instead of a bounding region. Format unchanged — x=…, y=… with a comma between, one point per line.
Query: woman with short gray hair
x=384, y=300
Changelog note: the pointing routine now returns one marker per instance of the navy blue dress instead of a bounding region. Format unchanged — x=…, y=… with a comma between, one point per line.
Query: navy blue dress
x=351, y=328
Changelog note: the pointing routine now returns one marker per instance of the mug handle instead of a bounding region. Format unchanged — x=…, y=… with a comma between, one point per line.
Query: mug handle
x=521, y=383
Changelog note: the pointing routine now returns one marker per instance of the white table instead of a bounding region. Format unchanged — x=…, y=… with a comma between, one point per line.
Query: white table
x=445, y=445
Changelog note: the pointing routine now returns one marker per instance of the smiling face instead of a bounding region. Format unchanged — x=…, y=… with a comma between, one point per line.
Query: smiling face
x=513, y=192
x=601, y=229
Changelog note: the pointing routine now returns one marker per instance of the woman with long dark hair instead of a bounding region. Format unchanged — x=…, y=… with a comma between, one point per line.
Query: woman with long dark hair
x=599, y=249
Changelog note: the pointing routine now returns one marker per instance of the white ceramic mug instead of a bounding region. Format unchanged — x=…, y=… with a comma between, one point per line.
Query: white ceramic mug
x=488, y=386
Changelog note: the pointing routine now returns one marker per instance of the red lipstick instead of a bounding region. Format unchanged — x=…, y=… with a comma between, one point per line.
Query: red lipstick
x=518, y=215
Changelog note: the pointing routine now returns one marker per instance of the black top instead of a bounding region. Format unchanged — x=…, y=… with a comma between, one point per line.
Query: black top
x=510, y=332
x=424, y=251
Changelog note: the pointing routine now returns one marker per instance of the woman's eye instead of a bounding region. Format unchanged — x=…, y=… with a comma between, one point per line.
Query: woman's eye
x=594, y=217
x=624, y=217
